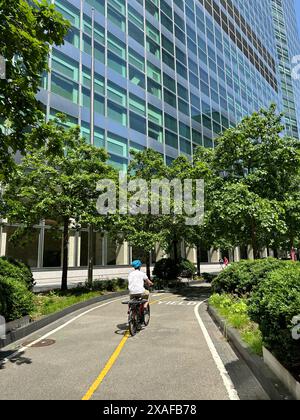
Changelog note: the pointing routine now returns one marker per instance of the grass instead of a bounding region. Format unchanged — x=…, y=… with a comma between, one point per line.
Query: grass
x=54, y=301
x=235, y=312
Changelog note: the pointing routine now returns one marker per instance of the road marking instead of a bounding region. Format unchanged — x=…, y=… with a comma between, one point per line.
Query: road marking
x=111, y=362
x=22, y=349
x=106, y=369
x=233, y=395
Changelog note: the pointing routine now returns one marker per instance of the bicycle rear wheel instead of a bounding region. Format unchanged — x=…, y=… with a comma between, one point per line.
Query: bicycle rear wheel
x=147, y=316
x=132, y=321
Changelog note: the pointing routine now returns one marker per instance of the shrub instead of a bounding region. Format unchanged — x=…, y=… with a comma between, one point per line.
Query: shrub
x=17, y=270
x=166, y=269
x=243, y=277
x=186, y=269
x=273, y=305
x=208, y=277
x=16, y=300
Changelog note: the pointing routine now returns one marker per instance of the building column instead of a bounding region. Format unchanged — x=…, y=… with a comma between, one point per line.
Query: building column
x=183, y=249
x=3, y=240
x=264, y=253
x=191, y=254
x=71, y=250
x=214, y=255
x=271, y=253
x=122, y=254
x=41, y=245
x=231, y=255
x=237, y=254
x=250, y=252
x=104, y=249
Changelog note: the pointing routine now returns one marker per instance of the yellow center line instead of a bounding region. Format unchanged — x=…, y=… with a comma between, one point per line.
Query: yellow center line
x=111, y=361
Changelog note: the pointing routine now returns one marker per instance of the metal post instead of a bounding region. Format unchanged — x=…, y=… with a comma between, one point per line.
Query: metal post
x=92, y=117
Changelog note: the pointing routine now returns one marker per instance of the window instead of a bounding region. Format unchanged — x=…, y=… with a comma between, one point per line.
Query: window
x=171, y=139
x=153, y=72
x=116, y=64
x=65, y=65
x=117, y=113
x=137, y=105
x=117, y=145
x=137, y=123
x=116, y=46
x=98, y=5
x=136, y=60
x=154, y=88
x=171, y=122
x=154, y=114
x=65, y=88
x=99, y=137
x=69, y=12
x=116, y=94
x=136, y=77
x=116, y=18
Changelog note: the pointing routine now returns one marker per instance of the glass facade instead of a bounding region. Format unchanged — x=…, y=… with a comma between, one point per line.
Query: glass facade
x=170, y=74
x=287, y=44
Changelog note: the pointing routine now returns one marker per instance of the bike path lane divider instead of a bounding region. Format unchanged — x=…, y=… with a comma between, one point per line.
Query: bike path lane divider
x=93, y=388
x=232, y=392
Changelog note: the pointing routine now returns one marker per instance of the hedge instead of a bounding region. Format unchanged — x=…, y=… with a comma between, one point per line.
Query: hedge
x=16, y=300
x=273, y=305
x=16, y=270
x=167, y=269
x=243, y=277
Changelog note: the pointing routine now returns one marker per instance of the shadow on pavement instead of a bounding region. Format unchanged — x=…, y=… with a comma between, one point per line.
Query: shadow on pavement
x=121, y=329
x=18, y=359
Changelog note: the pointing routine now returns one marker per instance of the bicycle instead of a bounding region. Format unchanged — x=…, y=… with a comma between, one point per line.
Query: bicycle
x=137, y=315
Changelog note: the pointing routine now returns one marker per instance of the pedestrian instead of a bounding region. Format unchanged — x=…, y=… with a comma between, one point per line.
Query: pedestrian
x=221, y=261
x=226, y=261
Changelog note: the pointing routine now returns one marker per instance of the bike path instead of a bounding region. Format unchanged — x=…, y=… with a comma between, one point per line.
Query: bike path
x=170, y=359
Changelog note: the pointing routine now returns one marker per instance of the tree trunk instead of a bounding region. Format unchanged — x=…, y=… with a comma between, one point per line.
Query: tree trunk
x=90, y=255
x=198, y=259
x=64, y=280
x=254, y=241
x=148, y=270
x=175, y=243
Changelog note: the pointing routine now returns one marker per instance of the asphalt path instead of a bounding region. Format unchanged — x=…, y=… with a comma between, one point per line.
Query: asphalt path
x=89, y=355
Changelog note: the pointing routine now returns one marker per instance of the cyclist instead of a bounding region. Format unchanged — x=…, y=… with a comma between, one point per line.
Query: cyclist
x=136, y=281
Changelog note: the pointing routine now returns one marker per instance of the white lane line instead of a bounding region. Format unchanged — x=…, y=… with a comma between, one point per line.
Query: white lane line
x=233, y=395
x=22, y=349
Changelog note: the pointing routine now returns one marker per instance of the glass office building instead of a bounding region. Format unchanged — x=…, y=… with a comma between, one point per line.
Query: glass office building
x=169, y=75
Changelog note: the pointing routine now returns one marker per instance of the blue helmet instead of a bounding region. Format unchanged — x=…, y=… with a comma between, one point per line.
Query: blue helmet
x=136, y=264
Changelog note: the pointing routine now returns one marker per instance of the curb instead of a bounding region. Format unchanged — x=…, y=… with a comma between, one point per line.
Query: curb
x=16, y=335
x=268, y=380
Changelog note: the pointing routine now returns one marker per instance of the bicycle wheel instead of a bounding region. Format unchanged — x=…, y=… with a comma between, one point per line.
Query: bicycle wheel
x=147, y=315
x=132, y=321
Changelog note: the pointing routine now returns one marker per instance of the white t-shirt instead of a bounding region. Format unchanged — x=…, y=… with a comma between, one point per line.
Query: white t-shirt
x=136, y=282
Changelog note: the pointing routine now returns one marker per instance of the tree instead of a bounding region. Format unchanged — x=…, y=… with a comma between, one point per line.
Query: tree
x=142, y=229
x=57, y=181
x=28, y=30
x=254, y=169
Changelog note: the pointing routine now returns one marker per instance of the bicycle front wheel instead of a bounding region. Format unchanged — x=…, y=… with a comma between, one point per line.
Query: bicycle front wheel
x=132, y=322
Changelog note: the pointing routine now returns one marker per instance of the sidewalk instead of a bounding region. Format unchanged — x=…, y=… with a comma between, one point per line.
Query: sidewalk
x=47, y=279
